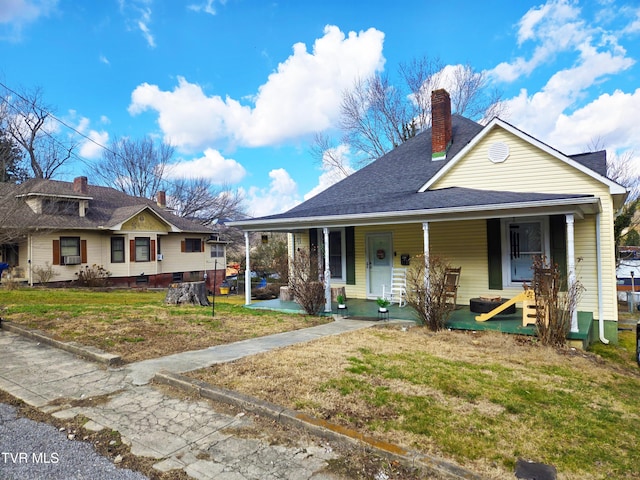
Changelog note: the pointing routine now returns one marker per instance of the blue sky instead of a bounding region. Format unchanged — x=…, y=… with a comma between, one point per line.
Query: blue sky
x=240, y=86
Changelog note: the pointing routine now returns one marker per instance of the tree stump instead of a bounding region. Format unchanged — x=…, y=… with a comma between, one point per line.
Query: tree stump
x=286, y=295
x=193, y=293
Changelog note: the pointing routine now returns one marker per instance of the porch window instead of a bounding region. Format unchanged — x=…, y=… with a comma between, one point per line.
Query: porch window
x=336, y=255
x=117, y=249
x=342, y=254
x=512, y=244
x=524, y=240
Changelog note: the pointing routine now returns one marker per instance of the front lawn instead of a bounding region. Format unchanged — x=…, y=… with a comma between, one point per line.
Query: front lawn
x=483, y=400
x=137, y=325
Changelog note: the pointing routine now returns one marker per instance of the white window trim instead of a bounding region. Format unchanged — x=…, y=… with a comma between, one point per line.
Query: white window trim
x=506, y=245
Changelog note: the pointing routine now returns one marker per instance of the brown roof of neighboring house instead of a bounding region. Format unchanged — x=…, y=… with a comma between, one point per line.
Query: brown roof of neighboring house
x=108, y=207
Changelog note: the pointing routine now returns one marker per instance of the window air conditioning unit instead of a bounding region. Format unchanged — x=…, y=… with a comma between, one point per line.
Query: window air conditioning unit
x=71, y=260
x=160, y=257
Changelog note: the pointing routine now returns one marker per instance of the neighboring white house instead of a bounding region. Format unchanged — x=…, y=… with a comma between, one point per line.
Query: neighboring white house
x=71, y=225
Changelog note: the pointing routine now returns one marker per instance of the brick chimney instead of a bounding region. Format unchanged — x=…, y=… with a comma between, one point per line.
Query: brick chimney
x=440, y=124
x=161, y=199
x=80, y=185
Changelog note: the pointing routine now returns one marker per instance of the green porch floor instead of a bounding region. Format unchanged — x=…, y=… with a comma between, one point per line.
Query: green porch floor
x=460, y=319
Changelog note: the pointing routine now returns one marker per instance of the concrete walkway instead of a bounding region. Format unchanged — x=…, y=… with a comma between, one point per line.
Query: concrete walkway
x=181, y=433
x=140, y=373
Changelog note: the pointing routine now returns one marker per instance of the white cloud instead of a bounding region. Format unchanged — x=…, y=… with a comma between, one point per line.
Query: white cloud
x=138, y=14
x=93, y=141
x=104, y=59
x=537, y=113
x=206, y=7
x=605, y=120
x=93, y=148
x=15, y=14
x=555, y=26
x=558, y=26
x=302, y=96
x=634, y=24
x=280, y=196
x=335, y=167
x=212, y=166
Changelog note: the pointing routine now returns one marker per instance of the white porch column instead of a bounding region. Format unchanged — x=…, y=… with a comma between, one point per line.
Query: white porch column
x=327, y=272
x=425, y=248
x=247, y=271
x=571, y=266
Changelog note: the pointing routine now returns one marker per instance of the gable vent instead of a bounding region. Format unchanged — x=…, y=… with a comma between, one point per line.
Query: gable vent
x=498, y=152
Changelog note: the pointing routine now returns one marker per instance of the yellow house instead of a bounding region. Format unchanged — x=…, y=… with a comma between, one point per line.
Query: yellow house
x=67, y=226
x=486, y=198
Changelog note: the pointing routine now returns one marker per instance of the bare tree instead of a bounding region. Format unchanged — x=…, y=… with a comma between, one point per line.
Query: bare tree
x=377, y=116
x=30, y=123
x=329, y=155
x=621, y=169
x=197, y=199
x=135, y=167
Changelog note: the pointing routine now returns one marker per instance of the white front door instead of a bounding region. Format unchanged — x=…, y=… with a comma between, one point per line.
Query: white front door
x=379, y=263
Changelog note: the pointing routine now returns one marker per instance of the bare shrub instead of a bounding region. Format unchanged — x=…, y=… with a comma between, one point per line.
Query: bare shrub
x=556, y=300
x=44, y=273
x=428, y=300
x=9, y=281
x=304, y=282
x=93, y=276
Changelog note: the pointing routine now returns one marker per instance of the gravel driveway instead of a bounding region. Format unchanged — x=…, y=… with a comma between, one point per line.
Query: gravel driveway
x=35, y=451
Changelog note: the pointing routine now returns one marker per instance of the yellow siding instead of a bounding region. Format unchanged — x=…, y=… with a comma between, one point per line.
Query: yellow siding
x=529, y=169
x=464, y=243
x=145, y=221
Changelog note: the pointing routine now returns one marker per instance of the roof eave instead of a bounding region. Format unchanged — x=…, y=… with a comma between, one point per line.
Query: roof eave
x=576, y=206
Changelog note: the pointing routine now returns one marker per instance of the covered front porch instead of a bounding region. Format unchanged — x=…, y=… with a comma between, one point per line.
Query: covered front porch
x=460, y=319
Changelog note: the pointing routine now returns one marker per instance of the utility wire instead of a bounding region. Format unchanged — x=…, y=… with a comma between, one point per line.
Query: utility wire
x=82, y=160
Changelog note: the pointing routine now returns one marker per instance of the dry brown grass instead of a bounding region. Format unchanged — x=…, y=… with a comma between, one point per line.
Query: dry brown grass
x=138, y=326
x=299, y=377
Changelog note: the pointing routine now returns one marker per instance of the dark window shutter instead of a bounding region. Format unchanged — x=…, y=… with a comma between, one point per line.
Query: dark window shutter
x=558, y=240
x=183, y=246
x=83, y=251
x=350, y=254
x=313, y=239
x=56, y=252
x=201, y=246
x=494, y=250
x=152, y=250
x=132, y=250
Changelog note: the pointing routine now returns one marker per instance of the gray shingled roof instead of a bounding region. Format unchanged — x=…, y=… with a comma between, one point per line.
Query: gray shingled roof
x=107, y=207
x=391, y=183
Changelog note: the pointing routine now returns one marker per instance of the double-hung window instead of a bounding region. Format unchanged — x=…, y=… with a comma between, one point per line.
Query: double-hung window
x=523, y=241
x=143, y=249
x=117, y=249
x=192, y=245
x=217, y=250
x=70, y=250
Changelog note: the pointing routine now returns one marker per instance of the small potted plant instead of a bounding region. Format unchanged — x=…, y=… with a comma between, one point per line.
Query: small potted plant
x=383, y=303
x=340, y=300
